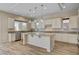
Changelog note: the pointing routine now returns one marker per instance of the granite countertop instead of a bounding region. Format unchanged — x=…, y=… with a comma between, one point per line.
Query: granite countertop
x=14, y=31
x=53, y=31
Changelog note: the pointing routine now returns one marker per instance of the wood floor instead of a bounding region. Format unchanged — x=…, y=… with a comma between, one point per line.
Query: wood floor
x=16, y=48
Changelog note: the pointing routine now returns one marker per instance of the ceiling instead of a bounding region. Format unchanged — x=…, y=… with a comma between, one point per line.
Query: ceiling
x=36, y=9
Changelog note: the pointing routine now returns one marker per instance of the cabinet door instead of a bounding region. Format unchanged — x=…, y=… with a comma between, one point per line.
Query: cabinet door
x=42, y=41
x=73, y=22
x=11, y=37
x=56, y=23
x=11, y=23
x=65, y=37
x=72, y=38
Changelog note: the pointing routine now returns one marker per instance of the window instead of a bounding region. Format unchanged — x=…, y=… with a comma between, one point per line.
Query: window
x=65, y=24
x=16, y=25
x=24, y=26
x=20, y=25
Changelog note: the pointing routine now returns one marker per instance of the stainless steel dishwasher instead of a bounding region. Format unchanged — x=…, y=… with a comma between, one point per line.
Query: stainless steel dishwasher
x=18, y=36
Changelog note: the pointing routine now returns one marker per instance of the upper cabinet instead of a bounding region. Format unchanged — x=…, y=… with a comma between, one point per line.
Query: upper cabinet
x=19, y=18
x=56, y=23
x=53, y=23
x=11, y=23
x=73, y=22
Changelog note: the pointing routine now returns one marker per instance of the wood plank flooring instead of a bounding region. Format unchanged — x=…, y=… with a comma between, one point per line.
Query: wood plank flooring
x=16, y=48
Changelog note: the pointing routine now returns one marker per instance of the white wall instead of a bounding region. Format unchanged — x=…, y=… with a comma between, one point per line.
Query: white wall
x=4, y=25
x=3, y=28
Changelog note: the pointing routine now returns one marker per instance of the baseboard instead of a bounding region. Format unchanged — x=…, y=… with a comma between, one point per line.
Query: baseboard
x=66, y=42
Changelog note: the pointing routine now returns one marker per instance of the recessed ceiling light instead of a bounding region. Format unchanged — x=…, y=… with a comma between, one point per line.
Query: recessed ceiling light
x=45, y=7
x=33, y=11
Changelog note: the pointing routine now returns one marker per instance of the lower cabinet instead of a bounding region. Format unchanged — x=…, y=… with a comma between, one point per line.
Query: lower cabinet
x=11, y=37
x=66, y=37
x=40, y=41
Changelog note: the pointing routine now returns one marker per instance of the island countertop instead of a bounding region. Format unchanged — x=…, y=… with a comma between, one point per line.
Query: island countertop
x=53, y=31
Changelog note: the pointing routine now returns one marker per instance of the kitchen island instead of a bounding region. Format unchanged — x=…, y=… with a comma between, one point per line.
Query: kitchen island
x=39, y=39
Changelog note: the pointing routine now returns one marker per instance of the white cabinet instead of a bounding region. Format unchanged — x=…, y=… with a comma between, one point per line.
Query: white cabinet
x=56, y=23
x=73, y=22
x=44, y=41
x=10, y=23
x=11, y=37
x=65, y=37
x=36, y=40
